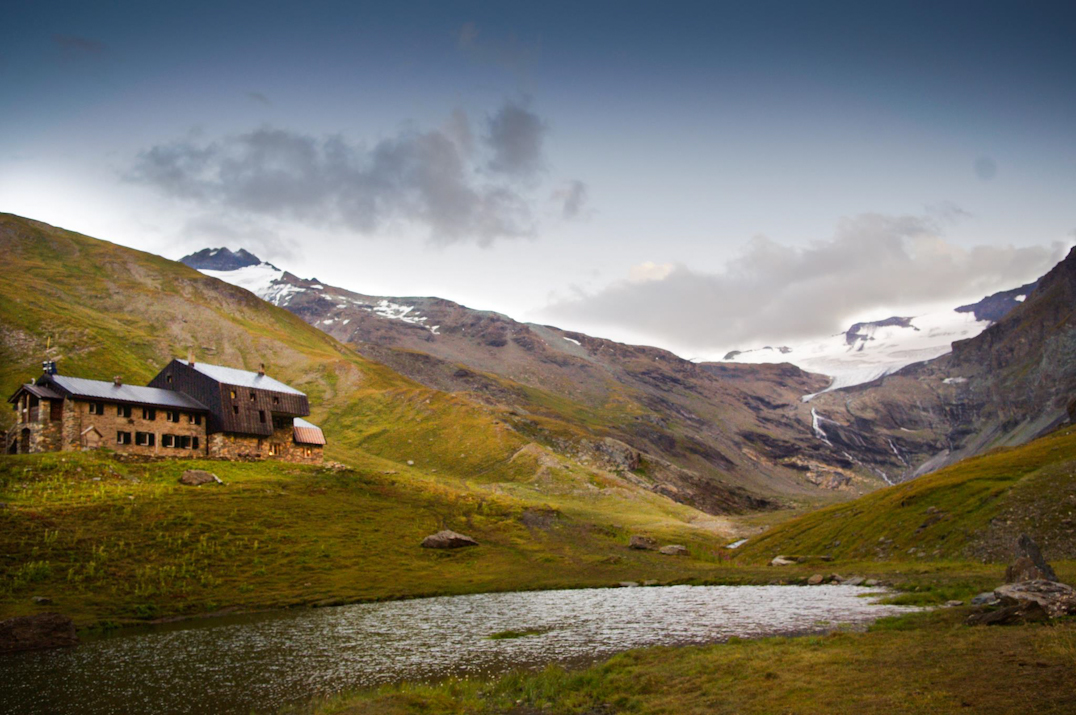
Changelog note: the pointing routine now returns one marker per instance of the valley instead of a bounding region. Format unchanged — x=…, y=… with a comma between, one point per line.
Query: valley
x=554, y=451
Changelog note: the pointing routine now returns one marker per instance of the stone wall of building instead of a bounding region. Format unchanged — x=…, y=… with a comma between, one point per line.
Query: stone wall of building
x=43, y=434
x=280, y=446
x=83, y=430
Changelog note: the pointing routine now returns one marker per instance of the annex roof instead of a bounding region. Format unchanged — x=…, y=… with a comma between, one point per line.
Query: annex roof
x=242, y=378
x=37, y=391
x=307, y=432
x=101, y=390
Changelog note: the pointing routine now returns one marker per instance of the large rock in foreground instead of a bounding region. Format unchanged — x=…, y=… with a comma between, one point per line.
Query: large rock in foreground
x=643, y=543
x=198, y=477
x=45, y=630
x=1056, y=599
x=447, y=540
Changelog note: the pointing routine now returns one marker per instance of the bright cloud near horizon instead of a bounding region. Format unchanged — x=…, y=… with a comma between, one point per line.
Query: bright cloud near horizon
x=701, y=177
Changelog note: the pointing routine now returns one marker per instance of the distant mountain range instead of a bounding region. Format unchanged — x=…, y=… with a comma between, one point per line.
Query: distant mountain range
x=742, y=422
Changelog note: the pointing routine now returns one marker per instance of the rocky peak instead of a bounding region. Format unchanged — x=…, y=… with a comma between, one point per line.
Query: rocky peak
x=220, y=259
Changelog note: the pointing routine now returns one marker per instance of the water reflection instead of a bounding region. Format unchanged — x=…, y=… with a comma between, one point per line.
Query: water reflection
x=258, y=662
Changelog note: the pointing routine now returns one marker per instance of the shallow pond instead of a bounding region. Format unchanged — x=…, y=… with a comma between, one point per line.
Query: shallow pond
x=260, y=662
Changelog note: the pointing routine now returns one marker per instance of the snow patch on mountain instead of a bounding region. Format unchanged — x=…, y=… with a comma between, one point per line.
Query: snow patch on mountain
x=868, y=351
x=262, y=279
x=267, y=282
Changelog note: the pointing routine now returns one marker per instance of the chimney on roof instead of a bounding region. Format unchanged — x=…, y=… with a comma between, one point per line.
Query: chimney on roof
x=261, y=370
x=190, y=358
x=117, y=381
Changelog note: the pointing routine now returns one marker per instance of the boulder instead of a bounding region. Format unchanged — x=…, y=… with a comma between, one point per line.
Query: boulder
x=871, y=583
x=1029, y=564
x=643, y=543
x=1056, y=599
x=198, y=477
x=41, y=600
x=953, y=604
x=1010, y=615
x=816, y=580
x=673, y=550
x=854, y=581
x=783, y=561
x=447, y=539
x=628, y=584
x=987, y=598
x=45, y=630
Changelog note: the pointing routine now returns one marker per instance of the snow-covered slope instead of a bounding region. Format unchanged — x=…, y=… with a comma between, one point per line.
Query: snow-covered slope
x=868, y=351
x=280, y=288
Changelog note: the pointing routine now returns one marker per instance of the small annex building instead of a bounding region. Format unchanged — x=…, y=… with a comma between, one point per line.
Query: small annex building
x=188, y=410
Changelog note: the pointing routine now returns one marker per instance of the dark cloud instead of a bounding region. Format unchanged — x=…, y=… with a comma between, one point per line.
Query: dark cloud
x=75, y=47
x=986, y=168
x=427, y=178
x=775, y=293
x=515, y=136
x=572, y=198
x=259, y=98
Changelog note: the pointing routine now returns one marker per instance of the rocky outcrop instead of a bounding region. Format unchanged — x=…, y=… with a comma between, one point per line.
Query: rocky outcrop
x=1029, y=564
x=448, y=539
x=621, y=457
x=198, y=477
x=1056, y=599
x=1027, y=597
x=673, y=550
x=45, y=630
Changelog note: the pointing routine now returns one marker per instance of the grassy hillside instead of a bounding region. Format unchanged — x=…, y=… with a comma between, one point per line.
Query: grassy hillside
x=421, y=459
x=973, y=510
x=109, y=540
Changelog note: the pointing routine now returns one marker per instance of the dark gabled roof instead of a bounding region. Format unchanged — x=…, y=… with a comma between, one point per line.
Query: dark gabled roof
x=241, y=378
x=307, y=432
x=37, y=391
x=134, y=394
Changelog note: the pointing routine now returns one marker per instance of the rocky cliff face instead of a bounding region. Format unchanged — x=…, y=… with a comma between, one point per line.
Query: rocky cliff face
x=1011, y=383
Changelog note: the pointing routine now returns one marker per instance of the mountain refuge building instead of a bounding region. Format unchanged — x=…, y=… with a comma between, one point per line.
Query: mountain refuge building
x=188, y=410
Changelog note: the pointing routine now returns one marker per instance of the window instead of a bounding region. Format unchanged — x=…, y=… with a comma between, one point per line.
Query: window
x=123, y=438
x=168, y=378
x=261, y=416
x=168, y=440
x=148, y=413
x=275, y=448
x=308, y=452
x=253, y=396
x=276, y=400
x=235, y=409
x=194, y=443
x=194, y=419
x=233, y=394
x=123, y=410
x=97, y=408
x=172, y=415
x=145, y=439
x=184, y=442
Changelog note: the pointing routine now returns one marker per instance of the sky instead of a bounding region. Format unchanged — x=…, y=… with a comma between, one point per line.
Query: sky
x=698, y=176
